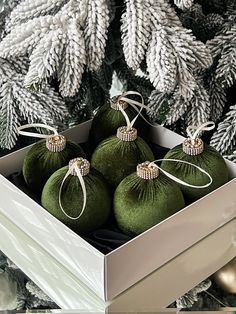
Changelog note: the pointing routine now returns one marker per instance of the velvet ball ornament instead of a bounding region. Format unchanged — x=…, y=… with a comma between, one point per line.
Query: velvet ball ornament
x=145, y=198
x=118, y=156
x=201, y=155
x=109, y=118
x=45, y=157
x=98, y=197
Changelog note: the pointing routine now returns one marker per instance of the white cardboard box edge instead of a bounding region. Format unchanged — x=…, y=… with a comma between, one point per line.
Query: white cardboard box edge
x=94, y=278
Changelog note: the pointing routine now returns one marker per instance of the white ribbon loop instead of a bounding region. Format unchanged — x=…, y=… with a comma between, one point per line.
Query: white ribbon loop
x=193, y=131
x=135, y=104
x=36, y=125
x=152, y=164
x=75, y=168
x=130, y=124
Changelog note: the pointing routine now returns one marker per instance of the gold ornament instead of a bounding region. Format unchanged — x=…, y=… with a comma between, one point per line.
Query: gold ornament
x=226, y=277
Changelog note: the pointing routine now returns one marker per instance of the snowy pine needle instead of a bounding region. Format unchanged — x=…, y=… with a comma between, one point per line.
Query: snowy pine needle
x=19, y=104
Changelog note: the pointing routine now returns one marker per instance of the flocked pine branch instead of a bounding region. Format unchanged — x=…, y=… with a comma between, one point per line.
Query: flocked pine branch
x=173, y=54
x=73, y=61
x=159, y=104
x=183, y=4
x=6, y=7
x=136, y=30
x=28, y=9
x=223, y=48
x=178, y=107
x=170, y=107
x=162, y=13
x=96, y=28
x=19, y=104
x=187, y=300
x=56, y=43
x=224, y=137
x=217, y=97
x=198, y=111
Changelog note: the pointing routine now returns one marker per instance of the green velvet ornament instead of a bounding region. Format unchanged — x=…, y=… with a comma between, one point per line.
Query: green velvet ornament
x=109, y=118
x=45, y=157
x=201, y=155
x=144, y=199
x=98, y=200
x=118, y=156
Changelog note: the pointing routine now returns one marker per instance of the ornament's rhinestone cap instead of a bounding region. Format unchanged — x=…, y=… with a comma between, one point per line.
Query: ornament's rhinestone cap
x=83, y=166
x=115, y=102
x=147, y=171
x=127, y=135
x=56, y=143
x=193, y=147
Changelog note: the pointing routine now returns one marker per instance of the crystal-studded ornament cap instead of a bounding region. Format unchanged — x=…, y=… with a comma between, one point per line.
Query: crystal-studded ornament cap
x=193, y=147
x=82, y=164
x=127, y=135
x=56, y=143
x=147, y=171
x=115, y=102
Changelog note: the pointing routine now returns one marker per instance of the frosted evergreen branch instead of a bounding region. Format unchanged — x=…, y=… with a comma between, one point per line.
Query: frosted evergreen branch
x=178, y=107
x=217, y=44
x=36, y=291
x=96, y=28
x=19, y=104
x=173, y=54
x=45, y=58
x=226, y=132
x=162, y=13
x=20, y=64
x=73, y=61
x=187, y=300
x=184, y=4
x=135, y=31
x=198, y=110
x=226, y=68
x=75, y=9
x=160, y=105
x=8, y=118
x=25, y=37
x=161, y=62
x=7, y=71
x=231, y=156
x=218, y=99
x=28, y=10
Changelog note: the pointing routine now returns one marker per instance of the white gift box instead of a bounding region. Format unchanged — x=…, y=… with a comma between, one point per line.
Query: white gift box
x=109, y=276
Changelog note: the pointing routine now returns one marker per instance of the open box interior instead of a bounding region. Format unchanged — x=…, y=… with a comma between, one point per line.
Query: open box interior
x=110, y=274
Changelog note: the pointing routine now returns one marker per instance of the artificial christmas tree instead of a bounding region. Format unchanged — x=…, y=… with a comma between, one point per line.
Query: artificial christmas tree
x=59, y=58
x=178, y=54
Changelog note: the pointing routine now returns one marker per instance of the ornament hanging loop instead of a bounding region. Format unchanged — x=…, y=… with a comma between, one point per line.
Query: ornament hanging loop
x=36, y=125
x=54, y=142
x=194, y=131
x=122, y=98
x=77, y=167
x=177, y=180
